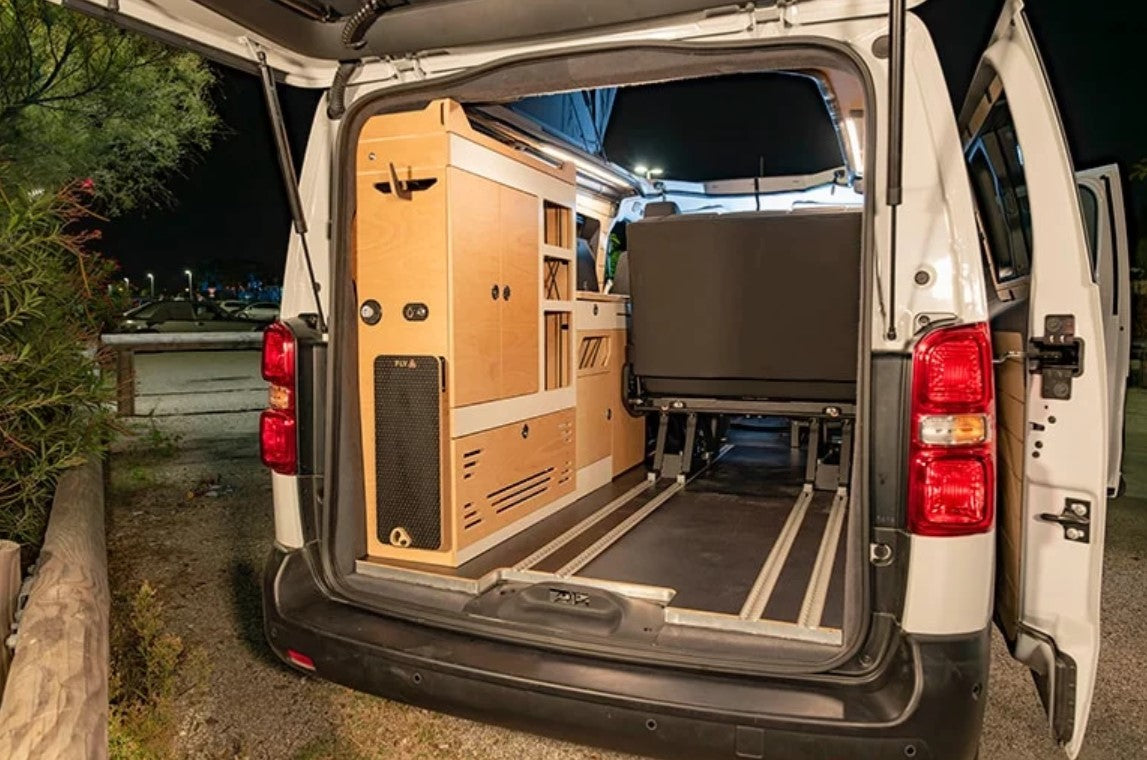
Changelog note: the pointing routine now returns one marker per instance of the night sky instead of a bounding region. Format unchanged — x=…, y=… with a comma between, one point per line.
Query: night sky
x=231, y=204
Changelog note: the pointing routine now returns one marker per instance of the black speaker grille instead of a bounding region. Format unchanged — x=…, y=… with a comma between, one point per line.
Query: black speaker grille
x=407, y=449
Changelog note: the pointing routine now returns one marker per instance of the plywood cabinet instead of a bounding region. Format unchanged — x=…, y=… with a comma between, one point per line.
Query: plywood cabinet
x=449, y=249
x=605, y=427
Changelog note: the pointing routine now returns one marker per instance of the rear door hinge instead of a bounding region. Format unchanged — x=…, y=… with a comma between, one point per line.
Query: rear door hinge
x=1057, y=356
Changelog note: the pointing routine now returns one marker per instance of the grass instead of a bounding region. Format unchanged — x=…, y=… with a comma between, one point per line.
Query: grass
x=147, y=665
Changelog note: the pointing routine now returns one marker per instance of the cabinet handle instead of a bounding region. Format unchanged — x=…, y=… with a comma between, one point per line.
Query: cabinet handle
x=609, y=414
x=525, y=431
x=494, y=291
x=506, y=293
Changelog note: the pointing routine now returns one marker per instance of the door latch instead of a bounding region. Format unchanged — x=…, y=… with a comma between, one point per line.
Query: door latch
x=1057, y=356
x=1075, y=520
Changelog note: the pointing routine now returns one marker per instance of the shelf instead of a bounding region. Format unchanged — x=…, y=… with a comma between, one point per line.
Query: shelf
x=555, y=252
x=564, y=306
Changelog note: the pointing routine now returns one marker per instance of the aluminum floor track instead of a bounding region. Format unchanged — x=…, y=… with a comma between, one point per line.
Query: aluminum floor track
x=743, y=546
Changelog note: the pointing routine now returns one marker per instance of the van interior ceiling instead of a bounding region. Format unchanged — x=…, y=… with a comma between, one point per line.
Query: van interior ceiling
x=605, y=403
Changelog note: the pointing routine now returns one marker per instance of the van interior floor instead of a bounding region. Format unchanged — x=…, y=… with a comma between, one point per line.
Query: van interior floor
x=744, y=545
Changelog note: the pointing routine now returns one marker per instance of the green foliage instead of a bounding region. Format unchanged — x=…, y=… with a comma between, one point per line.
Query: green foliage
x=1139, y=171
x=52, y=400
x=82, y=99
x=145, y=669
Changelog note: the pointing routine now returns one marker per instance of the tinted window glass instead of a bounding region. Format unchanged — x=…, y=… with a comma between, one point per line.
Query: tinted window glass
x=1089, y=203
x=179, y=310
x=996, y=165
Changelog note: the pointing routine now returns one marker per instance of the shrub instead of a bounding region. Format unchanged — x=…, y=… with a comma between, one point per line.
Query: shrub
x=145, y=669
x=53, y=302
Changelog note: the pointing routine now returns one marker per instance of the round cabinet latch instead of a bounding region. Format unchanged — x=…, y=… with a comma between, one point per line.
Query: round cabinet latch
x=506, y=293
x=525, y=431
x=609, y=414
x=595, y=310
x=370, y=311
x=494, y=291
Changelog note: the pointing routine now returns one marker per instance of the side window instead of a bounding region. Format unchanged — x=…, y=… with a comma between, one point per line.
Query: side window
x=1089, y=204
x=203, y=312
x=996, y=166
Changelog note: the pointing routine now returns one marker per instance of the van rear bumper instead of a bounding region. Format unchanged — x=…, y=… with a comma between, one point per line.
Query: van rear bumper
x=928, y=702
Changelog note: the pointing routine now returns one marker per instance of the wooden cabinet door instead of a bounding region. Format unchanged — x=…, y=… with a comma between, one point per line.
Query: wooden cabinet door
x=476, y=298
x=520, y=287
x=628, y=431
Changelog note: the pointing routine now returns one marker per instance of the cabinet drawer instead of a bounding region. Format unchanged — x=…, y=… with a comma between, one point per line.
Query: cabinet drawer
x=504, y=474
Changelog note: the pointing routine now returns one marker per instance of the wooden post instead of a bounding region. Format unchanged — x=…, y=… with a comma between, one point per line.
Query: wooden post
x=125, y=382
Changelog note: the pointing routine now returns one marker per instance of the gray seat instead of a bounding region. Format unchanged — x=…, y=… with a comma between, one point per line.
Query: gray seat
x=760, y=305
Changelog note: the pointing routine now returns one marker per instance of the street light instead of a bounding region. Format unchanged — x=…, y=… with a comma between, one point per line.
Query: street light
x=127, y=285
x=190, y=285
x=648, y=172
x=151, y=284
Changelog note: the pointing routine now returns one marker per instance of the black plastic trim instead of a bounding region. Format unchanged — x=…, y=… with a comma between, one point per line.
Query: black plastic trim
x=927, y=701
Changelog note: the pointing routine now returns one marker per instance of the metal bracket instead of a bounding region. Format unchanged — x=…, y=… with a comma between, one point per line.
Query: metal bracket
x=1075, y=520
x=1057, y=356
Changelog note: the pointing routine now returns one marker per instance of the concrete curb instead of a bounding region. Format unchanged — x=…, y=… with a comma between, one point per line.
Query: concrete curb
x=55, y=702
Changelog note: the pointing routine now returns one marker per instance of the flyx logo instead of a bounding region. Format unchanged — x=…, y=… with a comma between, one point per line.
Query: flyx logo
x=571, y=598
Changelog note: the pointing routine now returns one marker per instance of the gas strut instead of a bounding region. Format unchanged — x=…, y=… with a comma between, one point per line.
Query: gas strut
x=897, y=12
x=287, y=169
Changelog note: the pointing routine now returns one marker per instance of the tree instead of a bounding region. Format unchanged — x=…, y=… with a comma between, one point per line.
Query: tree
x=89, y=116
x=80, y=98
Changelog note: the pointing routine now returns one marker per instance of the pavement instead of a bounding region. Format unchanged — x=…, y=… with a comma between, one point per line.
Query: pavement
x=202, y=549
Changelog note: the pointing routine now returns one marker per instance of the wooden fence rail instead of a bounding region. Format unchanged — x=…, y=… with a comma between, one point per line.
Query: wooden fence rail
x=55, y=703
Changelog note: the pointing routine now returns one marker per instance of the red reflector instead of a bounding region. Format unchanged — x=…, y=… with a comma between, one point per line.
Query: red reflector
x=277, y=446
x=952, y=455
x=952, y=495
x=279, y=355
x=953, y=369
x=300, y=659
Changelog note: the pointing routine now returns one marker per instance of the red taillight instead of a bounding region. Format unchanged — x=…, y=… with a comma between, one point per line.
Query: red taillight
x=951, y=474
x=278, y=444
x=277, y=441
x=279, y=355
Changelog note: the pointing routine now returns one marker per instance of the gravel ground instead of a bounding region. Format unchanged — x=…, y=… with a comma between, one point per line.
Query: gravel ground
x=203, y=554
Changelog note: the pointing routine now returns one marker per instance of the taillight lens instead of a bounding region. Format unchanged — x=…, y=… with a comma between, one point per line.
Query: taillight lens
x=278, y=443
x=279, y=354
x=952, y=464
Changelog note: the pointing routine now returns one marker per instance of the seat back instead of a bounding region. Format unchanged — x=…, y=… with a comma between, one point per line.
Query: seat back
x=760, y=305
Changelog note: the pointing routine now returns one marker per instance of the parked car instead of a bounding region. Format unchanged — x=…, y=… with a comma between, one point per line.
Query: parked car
x=264, y=310
x=467, y=516
x=185, y=316
x=232, y=305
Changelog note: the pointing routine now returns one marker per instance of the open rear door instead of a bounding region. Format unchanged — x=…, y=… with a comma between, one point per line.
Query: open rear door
x=1051, y=376
x=1101, y=198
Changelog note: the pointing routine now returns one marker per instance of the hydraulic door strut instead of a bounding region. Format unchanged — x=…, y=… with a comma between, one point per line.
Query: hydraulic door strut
x=287, y=170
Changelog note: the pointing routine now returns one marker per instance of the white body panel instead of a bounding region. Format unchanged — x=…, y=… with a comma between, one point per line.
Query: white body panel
x=1113, y=274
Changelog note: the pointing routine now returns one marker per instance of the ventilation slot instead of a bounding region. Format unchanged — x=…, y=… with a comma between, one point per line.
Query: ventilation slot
x=523, y=490
x=470, y=463
x=593, y=353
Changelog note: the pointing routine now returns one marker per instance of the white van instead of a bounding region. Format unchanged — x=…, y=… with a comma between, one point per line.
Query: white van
x=761, y=492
